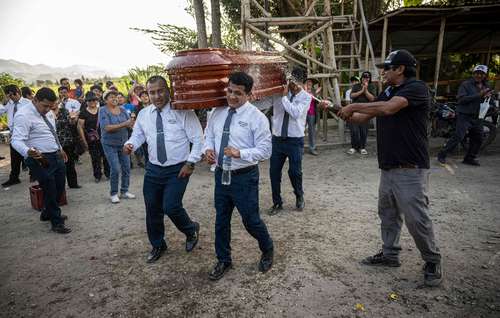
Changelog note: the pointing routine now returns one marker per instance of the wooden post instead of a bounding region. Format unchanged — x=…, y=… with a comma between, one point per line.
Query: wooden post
x=384, y=40
x=367, y=56
x=246, y=38
x=439, y=53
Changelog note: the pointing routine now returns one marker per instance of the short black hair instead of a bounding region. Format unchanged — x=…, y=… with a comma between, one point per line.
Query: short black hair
x=62, y=88
x=354, y=79
x=26, y=91
x=157, y=78
x=11, y=89
x=78, y=81
x=410, y=71
x=243, y=79
x=300, y=74
x=96, y=87
x=119, y=94
x=47, y=94
x=63, y=79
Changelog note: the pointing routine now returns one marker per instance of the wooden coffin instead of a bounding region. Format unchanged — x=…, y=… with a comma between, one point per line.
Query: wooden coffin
x=198, y=78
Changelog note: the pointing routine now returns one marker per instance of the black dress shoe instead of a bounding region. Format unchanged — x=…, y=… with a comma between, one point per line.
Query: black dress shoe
x=61, y=229
x=192, y=240
x=9, y=183
x=275, y=209
x=76, y=187
x=299, y=203
x=266, y=261
x=156, y=253
x=219, y=270
x=471, y=162
x=44, y=217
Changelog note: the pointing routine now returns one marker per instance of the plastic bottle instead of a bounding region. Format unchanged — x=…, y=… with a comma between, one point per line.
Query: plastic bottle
x=226, y=171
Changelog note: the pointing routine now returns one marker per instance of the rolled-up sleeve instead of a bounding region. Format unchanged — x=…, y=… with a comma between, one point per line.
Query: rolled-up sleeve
x=262, y=141
x=194, y=133
x=20, y=134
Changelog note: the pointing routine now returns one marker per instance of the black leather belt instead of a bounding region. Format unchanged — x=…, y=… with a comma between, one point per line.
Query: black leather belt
x=286, y=138
x=401, y=166
x=240, y=171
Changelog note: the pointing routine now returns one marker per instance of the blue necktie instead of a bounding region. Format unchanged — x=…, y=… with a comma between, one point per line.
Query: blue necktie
x=286, y=119
x=225, y=135
x=52, y=130
x=161, y=152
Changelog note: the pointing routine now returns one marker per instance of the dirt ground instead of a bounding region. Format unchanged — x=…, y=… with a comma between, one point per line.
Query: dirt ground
x=99, y=269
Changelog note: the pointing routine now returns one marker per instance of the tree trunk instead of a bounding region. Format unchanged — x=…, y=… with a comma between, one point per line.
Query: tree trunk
x=199, y=14
x=216, y=33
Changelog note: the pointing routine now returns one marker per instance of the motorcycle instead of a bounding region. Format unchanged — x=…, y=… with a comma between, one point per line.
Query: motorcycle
x=442, y=117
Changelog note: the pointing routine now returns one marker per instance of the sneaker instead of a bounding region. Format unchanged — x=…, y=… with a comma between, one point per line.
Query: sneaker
x=219, y=270
x=432, y=274
x=127, y=195
x=313, y=152
x=351, y=151
x=380, y=260
x=115, y=198
x=364, y=152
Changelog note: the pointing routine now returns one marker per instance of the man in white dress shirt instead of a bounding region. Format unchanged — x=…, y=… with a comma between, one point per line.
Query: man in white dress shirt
x=168, y=133
x=35, y=138
x=239, y=132
x=15, y=103
x=289, y=121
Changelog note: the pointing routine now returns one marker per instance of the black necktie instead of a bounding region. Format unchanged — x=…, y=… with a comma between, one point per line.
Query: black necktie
x=52, y=130
x=225, y=135
x=286, y=119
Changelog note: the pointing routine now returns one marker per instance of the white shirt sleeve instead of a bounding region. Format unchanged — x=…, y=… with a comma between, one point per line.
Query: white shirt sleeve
x=21, y=134
x=138, y=136
x=3, y=109
x=194, y=133
x=296, y=108
x=209, y=133
x=262, y=141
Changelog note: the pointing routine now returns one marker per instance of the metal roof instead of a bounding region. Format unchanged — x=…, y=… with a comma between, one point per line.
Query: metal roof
x=469, y=29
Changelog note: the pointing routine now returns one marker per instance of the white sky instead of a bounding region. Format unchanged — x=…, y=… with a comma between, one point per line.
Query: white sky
x=88, y=32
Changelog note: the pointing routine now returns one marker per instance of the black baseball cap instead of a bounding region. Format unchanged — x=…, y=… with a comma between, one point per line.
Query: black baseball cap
x=398, y=57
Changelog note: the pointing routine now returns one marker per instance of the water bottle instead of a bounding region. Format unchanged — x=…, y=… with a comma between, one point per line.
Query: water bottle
x=226, y=170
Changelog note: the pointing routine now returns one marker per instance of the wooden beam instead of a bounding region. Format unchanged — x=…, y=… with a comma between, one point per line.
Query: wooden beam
x=261, y=9
x=439, y=53
x=364, y=25
x=288, y=30
x=311, y=8
x=312, y=34
x=246, y=37
x=296, y=20
x=284, y=44
x=289, y=57
x=384, y=40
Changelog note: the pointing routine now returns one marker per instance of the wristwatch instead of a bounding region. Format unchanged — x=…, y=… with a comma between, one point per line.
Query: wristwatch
x=190, y=164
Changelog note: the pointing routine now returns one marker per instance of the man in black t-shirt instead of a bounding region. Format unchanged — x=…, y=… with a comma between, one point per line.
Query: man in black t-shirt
x=403, y=158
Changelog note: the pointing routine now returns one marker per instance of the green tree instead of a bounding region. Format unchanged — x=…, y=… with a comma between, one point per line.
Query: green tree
x=6, y=79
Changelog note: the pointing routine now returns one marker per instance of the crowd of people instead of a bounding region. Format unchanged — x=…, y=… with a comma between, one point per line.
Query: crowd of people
x=50, y=132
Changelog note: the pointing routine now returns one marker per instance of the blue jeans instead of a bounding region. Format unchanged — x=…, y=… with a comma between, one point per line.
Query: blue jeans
x=242, y=193
x=52, y=181
x=163, y=193
x=291, y=148
x=117, y=160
